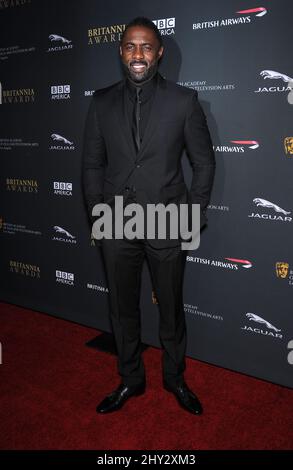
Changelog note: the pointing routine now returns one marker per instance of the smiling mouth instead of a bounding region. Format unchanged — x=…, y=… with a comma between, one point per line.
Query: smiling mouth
x=138, y=67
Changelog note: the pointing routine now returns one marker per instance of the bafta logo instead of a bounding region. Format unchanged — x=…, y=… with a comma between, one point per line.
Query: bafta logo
x=288, y=145
x=282, y=269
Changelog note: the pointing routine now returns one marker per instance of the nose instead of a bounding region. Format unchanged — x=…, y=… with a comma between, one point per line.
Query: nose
x=138, y=53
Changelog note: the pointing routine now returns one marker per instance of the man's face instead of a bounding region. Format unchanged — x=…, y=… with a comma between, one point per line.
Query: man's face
x=140, y=52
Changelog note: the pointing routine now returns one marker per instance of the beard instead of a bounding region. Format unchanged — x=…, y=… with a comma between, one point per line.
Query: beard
x=140, y=76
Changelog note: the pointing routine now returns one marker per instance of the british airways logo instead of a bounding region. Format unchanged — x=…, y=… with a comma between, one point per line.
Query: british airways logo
x=240, y=146
x=245, y=18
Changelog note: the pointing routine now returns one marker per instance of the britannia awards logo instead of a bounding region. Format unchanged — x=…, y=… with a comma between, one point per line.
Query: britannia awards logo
x=17, y=95
x=270, y=211
x=59, y=43
x=18, y=185
x=105, y=34
x=24, y=269
x=267, y=329
x=288, y=146
x=243, y=17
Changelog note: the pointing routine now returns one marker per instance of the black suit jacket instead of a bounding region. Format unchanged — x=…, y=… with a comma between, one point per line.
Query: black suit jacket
x=110, y=161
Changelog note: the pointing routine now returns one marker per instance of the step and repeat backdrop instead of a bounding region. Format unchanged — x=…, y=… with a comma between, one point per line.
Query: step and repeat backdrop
x=238, y=288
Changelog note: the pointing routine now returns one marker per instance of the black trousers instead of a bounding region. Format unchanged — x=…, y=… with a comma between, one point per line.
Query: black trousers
x=123, y=262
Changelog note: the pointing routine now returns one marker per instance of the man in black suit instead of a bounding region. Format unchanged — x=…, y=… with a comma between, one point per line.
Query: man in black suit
x=135, y=133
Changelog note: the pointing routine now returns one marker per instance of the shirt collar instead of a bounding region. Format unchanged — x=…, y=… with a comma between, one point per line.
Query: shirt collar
x=147, y=88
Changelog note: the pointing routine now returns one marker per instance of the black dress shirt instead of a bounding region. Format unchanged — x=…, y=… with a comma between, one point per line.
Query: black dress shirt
x=146, y=98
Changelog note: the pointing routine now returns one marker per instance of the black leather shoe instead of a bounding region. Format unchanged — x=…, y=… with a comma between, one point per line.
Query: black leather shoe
x=115, y=400
x=185, y=397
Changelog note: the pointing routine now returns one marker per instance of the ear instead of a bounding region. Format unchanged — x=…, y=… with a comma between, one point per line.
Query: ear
x=160, y=51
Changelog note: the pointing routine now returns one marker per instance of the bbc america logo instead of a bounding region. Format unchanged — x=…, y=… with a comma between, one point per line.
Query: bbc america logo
x=166, y=26
x=63, y=277
x=60, y=92
x=62, y=188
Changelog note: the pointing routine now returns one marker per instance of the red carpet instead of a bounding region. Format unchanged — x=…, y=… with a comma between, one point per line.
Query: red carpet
x=51, y=384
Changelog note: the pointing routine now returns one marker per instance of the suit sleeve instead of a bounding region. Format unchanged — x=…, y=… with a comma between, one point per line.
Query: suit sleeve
x=93, y=160
x=200, y=152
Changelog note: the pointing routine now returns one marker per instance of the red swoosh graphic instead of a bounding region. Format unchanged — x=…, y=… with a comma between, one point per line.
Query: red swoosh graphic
x=243, y=261
x=251, y=10
x=246, y=142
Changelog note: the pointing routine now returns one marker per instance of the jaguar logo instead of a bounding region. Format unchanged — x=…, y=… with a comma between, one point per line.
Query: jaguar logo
x=64, y=232
x=61, y=139
x=275, y=75
x=55, y=37
x=264, y=203
x=256, y=318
